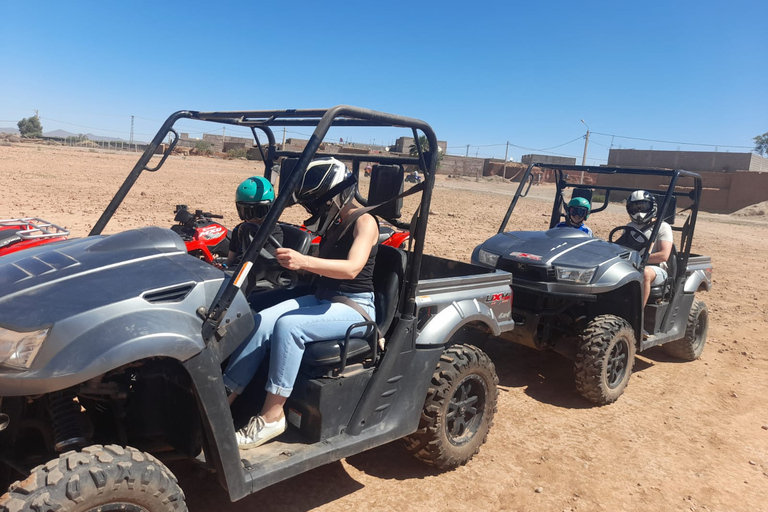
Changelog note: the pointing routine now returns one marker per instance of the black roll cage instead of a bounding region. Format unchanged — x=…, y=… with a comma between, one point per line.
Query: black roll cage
x=322, y=120
x=673, y=174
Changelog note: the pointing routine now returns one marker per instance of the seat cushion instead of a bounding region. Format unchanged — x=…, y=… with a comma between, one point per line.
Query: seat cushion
x=324, y=353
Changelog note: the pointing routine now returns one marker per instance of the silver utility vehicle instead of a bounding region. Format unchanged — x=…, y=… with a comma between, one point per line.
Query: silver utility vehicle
x=583, y=296
x=112, y=347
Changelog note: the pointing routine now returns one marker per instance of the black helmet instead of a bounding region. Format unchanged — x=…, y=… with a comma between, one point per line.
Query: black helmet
x=641, y=207
x=326, y=187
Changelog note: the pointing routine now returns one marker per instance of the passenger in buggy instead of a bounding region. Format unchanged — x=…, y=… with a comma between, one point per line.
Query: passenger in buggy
x=576, y=213
x=343, y=296
x=253, y=200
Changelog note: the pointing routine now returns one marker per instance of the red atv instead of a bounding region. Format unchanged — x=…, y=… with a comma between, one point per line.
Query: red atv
x=388, y=235
x=19, y=234
x=203, y=236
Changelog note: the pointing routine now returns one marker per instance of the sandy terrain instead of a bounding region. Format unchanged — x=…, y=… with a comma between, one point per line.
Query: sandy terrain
x=685, y=436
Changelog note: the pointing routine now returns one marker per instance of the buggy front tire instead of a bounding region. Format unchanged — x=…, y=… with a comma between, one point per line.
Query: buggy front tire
x=459, y=409
x=604, y=359
x=98, y=478
x=690, y=346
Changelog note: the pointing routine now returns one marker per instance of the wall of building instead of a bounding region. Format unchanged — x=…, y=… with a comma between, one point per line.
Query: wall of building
x=403, y=145
x=723, y=192
x=461, y=166
x=547, y=159
x=696, y=161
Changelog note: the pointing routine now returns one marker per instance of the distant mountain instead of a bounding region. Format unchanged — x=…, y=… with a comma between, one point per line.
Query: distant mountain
x=9, y=130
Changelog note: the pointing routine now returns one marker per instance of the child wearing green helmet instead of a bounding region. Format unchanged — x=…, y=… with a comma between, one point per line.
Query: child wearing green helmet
x=253, y=200
x=576, y=213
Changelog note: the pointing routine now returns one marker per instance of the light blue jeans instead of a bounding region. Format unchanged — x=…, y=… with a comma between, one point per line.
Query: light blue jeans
x=283, y=330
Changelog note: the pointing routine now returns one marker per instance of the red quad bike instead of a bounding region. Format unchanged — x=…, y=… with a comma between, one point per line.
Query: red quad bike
x=388, y=235
x=19, y=234
x=203, y=236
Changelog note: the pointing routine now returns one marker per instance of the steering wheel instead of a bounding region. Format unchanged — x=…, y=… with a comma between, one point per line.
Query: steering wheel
x=273, y=271
x=629, y=235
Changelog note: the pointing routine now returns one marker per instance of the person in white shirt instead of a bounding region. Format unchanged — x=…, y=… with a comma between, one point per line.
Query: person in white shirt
x=642, y=208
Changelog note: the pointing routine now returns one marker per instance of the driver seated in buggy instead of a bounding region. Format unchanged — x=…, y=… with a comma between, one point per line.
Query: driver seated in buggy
x=343, y=296
x=642, y=209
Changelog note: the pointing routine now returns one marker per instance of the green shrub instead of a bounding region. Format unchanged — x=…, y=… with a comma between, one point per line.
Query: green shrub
x=204, y=148
x=237, y=153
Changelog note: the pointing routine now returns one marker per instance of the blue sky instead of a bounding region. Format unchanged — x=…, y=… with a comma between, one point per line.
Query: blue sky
x=481, y=73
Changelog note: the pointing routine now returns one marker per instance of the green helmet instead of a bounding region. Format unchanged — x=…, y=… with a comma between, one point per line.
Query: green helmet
x=253, y=198
x=579, y=206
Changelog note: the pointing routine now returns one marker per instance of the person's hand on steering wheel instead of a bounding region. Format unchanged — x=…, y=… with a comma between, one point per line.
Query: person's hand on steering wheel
x=292, y=260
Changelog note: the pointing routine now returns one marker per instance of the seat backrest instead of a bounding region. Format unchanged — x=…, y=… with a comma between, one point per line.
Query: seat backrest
x=388, y=274
x=386, y=183
x=296, y=238
x=669, y=216
x=286, y=167
x=586, y=193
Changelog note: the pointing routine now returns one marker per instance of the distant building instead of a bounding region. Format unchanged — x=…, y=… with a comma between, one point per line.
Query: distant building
x=547, y=159
x=403, y=145
x=694, y=161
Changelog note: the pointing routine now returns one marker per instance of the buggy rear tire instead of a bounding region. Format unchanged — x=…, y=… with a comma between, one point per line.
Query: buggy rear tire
x=604, y=359
x=103, y=478
x=690, y=346
x=459, y=409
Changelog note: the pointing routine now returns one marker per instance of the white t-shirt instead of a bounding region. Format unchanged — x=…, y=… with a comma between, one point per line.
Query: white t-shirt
x=665, y=234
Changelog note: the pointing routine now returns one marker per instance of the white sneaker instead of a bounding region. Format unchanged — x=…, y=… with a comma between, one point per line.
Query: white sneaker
x=258, y=432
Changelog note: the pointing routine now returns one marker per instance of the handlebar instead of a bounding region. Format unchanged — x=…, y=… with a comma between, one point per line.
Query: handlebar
x=183, y=214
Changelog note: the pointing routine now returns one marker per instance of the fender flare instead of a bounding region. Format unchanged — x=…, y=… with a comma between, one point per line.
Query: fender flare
x=695, y=280
x=444, y=324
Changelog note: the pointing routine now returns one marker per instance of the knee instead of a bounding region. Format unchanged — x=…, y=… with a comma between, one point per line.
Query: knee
x=287, y=331
x=649, y=275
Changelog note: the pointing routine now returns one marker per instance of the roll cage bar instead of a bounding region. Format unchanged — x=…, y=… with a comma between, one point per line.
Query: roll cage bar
x=322, y=120
x=671, y=191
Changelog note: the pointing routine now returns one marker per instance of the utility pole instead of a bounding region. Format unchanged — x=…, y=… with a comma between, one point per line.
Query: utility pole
x=130, y=142
x=223, y=137
x=584, y=158
x=506, y=154
x=283, y=146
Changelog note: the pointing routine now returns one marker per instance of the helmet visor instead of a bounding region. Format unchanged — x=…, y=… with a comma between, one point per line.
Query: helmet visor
x=639, y=207
x=248, y=211
x=577, y=211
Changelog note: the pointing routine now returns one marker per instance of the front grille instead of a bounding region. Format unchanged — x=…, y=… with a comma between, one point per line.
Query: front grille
x=528, y=271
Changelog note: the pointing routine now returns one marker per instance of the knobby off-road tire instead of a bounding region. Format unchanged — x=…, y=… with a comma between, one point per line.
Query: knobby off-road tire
x=104, y=478
x=459, y=409
x=604, y=359
x=690, y=346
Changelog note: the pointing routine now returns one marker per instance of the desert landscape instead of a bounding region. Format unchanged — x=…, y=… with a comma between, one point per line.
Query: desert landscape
x=684, y=436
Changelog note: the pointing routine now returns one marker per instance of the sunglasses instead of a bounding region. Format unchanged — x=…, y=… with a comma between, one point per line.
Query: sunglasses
x=253, y=210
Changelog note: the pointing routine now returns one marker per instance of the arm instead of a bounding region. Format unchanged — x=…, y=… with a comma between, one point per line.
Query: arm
x=366, y=233
x=662, y=254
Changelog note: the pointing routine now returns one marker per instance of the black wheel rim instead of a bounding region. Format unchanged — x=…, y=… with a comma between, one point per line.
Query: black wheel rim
x=118, y=507
x=699, y=332
x=617, y=363
x=465, y=410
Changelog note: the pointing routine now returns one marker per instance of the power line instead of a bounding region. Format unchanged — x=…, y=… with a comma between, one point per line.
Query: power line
x=672, y=142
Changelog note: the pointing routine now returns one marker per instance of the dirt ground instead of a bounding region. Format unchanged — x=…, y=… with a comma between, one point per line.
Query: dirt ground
x=684, y=436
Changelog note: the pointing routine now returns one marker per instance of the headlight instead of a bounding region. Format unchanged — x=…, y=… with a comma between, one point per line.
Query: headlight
x=575, y=275
x=18, y=349
x=487, y=258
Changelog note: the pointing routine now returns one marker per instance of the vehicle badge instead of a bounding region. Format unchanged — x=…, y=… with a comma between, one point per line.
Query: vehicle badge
x=534, y=257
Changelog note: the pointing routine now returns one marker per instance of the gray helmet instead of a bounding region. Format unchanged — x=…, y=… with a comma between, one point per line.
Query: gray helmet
x=641, y=207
